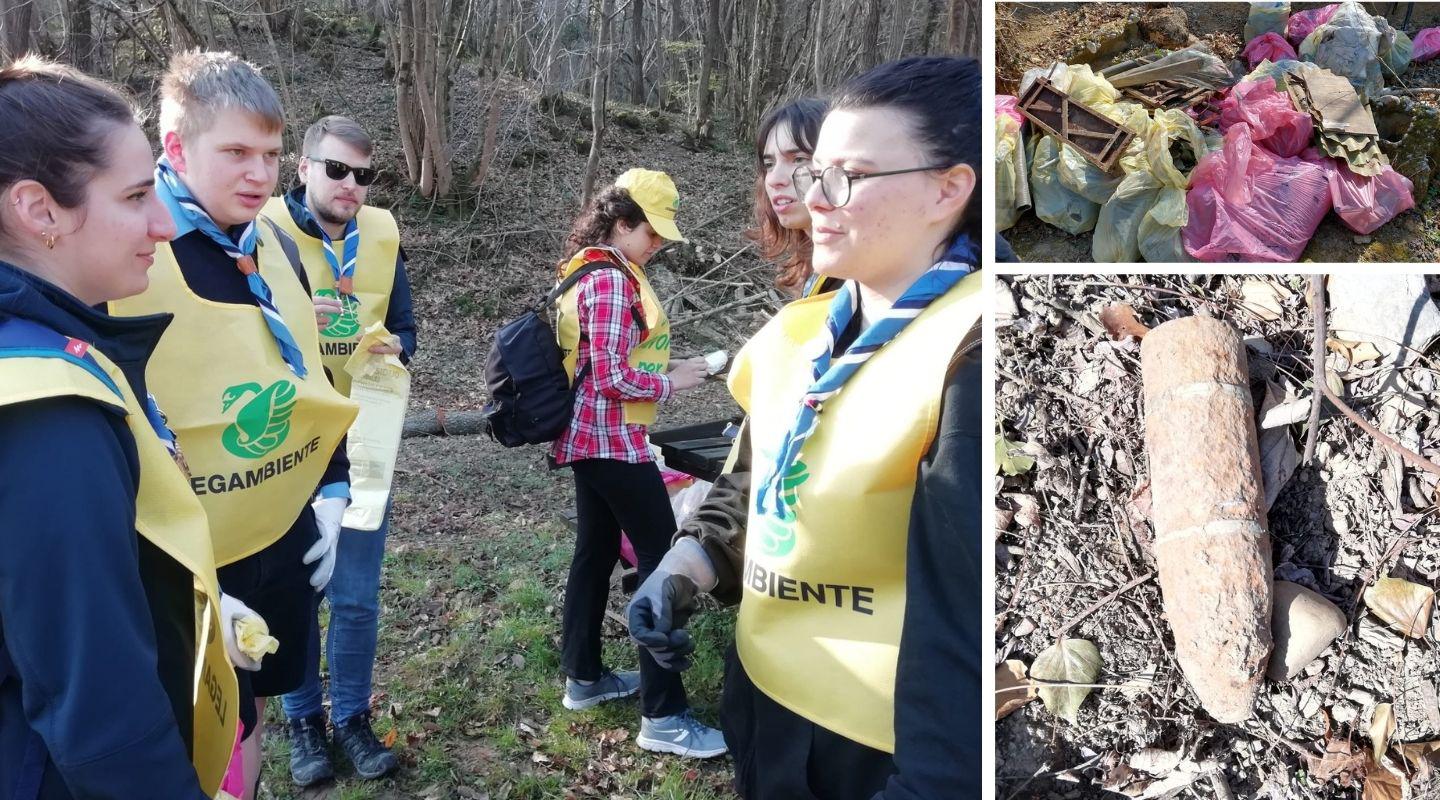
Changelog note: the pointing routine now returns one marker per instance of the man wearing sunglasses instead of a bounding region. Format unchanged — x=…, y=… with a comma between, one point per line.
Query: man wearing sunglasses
x=352, y=257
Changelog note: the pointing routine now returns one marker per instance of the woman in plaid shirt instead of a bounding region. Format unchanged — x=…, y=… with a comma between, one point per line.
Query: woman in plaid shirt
x=612, y=326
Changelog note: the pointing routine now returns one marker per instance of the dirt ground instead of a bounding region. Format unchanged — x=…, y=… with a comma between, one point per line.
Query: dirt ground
x=1074, y=546
x=467, y=678
x=1029, y=35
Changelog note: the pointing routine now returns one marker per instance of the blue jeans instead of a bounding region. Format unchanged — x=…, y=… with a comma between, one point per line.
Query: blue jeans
x=354, y=595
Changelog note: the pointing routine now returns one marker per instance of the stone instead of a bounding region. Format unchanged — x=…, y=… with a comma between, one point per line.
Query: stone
x=1212, y=545
x=1304, y=623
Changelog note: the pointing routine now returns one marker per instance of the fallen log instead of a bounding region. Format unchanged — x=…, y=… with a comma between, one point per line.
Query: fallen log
x=439, y=422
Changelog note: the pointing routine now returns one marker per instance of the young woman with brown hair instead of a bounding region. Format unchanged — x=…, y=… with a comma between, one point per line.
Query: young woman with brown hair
x=616, y=340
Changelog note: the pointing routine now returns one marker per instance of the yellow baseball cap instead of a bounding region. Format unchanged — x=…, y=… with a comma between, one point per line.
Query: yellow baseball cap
x=655, y=193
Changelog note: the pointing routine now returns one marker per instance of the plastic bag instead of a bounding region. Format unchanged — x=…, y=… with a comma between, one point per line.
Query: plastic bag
x=1092, y=90
x=1054, y=203
x=1009, y=172
x=1117, y=230
x=1009, y=106
x=1246, y=204
x=1397, y=58
x=1269, y=47
x=1303, y=23
x=1273, y=121
x=1427, y=45
x=1364, y=203
x=1349, y=44
x=1084, y=178
x=1159, y=239
x=1266, y=18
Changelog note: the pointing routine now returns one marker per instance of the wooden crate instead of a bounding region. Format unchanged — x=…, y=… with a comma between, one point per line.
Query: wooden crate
x=1099, y=139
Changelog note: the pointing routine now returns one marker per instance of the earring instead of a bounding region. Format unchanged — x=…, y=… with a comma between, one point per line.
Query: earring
x=49, y=240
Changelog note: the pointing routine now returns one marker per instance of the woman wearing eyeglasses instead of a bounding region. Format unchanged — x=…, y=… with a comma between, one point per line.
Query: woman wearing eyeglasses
x=856, y=672
x=784, y=142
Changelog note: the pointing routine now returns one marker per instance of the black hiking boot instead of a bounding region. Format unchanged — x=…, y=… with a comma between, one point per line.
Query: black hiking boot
x=309, y=751
x=371, y=758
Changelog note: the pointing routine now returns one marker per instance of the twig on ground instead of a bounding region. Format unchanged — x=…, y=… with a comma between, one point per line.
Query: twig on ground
x=1317, y=355
x=1411, y=457
x=1055, y=390
x=1098, y=604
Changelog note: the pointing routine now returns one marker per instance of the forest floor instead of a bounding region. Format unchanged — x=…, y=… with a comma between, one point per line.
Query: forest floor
x=467, y=683
x=1074, y=540
x=1030, y=35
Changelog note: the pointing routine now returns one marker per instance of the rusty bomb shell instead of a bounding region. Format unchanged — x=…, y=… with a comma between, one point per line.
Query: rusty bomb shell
x=1212, y=546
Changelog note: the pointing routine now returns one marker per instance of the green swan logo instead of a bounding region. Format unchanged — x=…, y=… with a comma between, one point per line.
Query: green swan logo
x=263, y=421
x=345, y=324
x=777, y=536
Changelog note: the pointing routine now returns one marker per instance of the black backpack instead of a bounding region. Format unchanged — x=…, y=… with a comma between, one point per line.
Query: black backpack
x=531, y=397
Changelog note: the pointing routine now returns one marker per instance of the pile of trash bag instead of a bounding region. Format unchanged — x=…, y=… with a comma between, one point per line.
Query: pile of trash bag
x=1238, y=177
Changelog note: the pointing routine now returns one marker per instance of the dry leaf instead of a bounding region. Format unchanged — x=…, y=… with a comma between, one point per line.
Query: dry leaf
x=1279, y=414
x=1012, y=688
x=1383, y=782
x=1354, y=352
x=1066, y=661
x=1010, y=458
x=1262, y=298
x=1421, y=755
x=1342, y=761
x=1405, y=606
x=1382, y=727
x=389, y=740
x=1119, y=321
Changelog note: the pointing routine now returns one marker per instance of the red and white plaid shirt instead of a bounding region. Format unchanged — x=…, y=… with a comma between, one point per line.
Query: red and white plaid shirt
x=606, y=307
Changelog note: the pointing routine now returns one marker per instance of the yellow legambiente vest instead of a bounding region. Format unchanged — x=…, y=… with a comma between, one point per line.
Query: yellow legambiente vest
x=169, y=516
x=374, y=279
x=824, y=595
x=257, y=438
x=653, y=352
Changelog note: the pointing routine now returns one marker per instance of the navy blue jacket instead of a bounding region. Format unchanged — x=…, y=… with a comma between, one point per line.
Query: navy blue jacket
x=399, y=315
x=96, y=623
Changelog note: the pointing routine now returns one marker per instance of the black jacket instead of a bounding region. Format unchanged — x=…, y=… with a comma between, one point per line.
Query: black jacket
x=96, y=623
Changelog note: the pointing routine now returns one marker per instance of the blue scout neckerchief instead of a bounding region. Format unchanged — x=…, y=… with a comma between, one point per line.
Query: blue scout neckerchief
x=343, y=269
x=241, y=249
x=831, y=375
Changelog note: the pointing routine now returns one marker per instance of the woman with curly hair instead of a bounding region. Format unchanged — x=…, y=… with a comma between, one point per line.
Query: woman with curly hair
x=616, y=340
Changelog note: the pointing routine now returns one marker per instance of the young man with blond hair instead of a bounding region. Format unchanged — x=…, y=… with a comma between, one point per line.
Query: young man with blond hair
x=356, y=268
x=239, y=370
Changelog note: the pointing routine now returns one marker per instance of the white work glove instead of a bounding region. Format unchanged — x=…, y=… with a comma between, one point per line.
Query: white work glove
x=329, y=513
x=231, y=612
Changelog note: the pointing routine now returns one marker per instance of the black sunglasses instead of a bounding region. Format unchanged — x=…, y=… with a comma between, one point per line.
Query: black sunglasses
x=337, y=170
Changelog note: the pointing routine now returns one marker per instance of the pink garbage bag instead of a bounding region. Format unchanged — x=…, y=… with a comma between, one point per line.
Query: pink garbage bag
x=1362, y=202
x=1273, y=121
x=234, y=781
x=1271, y=46
x=1304, y=22
x=1008, y=105
x=1247, y=204
x=1427, y=45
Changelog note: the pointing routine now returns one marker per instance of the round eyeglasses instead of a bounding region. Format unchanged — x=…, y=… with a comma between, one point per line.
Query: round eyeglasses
x=835, y=182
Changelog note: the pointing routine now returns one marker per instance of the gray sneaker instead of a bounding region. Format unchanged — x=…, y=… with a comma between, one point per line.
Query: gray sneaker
x=682, y=735
x=611, y=686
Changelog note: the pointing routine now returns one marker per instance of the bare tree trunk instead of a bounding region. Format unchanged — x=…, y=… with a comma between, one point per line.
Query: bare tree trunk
x=964, y=36
x=80, y=38
x=709, y=53
x=487, y=143
x=870, y=34
x=425, y=42
x=662, y=59
x=932, y=23
x=818, y=45
x=17, y=28
x=598, y=91
x=637, y=51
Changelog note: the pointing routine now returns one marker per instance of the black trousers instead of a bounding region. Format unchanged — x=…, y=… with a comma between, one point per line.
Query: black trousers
x=611, y=496
x=780, y=755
